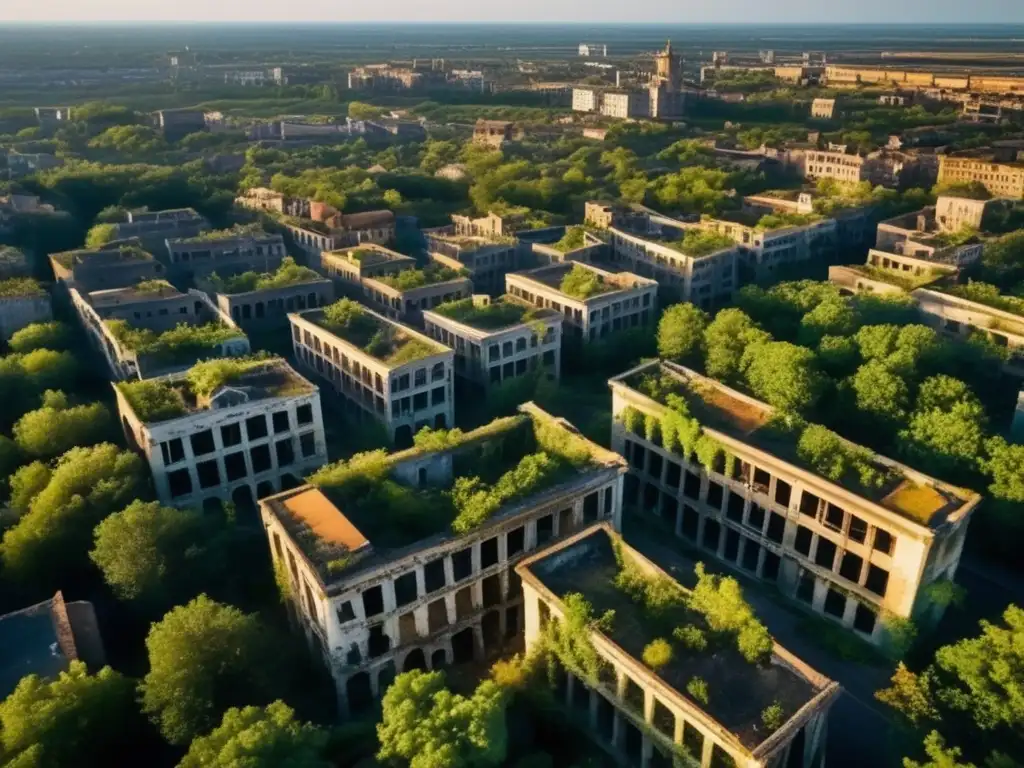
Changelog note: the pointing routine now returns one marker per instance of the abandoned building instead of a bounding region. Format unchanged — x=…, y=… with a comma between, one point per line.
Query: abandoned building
x=226, y=252
x=386, y=574
x=486, y=259
x=651, y=245
x=114, y=265
x=322, y=228
x=45, y=638
x=384, y=370
x=253, y=306
x=613, y=302
x=492, y=133
x=856, y=554
x=498, y=340
x=23, y=301
x=257, y=433
x=155, y=228
x=654, y=718
x=138, y=329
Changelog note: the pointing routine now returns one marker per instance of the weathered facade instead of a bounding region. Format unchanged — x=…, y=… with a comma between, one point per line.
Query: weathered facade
x=392, y=599
x=857, y=559
x=243, y=442
x=1000, y=179
x=404, y=395
x=225, y=252
x=155, y=228
x=649, y=719
x=22, y=302
x=623, y=300
x=270, y=307
x=486, y=260
x=489, y=351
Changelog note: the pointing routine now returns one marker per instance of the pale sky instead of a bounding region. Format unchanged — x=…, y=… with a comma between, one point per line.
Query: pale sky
x=584, y=11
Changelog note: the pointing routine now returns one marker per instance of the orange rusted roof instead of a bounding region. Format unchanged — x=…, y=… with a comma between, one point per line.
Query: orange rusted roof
x=325, y=520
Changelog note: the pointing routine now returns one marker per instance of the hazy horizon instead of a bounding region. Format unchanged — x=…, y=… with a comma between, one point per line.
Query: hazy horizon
x=596, y=12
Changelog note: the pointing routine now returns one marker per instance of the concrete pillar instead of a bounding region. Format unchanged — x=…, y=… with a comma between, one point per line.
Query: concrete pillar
x=593, y=710
x=531, y=617
x=646, y=750
x=709, y=747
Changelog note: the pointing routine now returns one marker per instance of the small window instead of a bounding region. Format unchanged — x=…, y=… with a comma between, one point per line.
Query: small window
x=809, y=504
x=515, y=541
x=345, y=612
x=714, y=495
x=405, y=589
x=864, y=619
x=256, y=427
x=202, y=443
x=488, y=552
x=835, y=603
x=433, y=575
x=307, y=444
x=280, y=422
x=179, y=483
x=803, y=541
x=304, y=414
x=858, y=529
x=712, y=533
x=234, y=466
x=878, y=580
x=285, y=453
x=260, y=458
x=545, y=528
x=209, y=475
x=826, y=553
x=462, y=563
x=373, y=601
x=834, y=517
x=884, y=541
x=231, y=434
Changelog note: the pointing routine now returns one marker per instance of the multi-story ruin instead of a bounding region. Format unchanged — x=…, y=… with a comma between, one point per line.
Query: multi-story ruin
x=257, y=431
x=387, y=572
x=384, y=370
x=658, y=718
x=861, y=547
x=498, y=340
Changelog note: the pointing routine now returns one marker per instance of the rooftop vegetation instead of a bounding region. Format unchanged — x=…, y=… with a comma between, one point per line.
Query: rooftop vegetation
x=706, y=643
x=20, y=287
x=409, y=279
x=492, y=316
x=987, y=294
x=179, y=342
x=772, y=221
x=574, y=237
x=289, y=273
x=902, y=280
x=493, y=466
x=153, y=400
x=582, y=283
x=701, y=242
x=152, y=286
x=811, y=446
x=385, y=341
x=239, y=230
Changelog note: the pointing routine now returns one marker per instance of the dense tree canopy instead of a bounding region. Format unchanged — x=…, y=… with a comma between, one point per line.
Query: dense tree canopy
x=152, y=553
x=259, y=737
x=77, y=719
x=58, y=427
x=784, y=375
x=430, y=727
x=681, y=332
x=49, y=335
x=53, y=537
x=204, y=658
x=726, y=339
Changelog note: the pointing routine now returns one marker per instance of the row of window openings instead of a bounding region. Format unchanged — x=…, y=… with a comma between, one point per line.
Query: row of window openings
x=507, y=349
x=519, y=367
x=406, y=590
x=663, y=720
x=417, y=402
x=618, y=323
x=272, y=306
x=831, y=516
x=368, y=377
x=850, y=566
x=208, y=473
x=203, y=443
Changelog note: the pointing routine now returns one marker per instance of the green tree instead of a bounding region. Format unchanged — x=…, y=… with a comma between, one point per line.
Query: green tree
x=834, y=316
x=911, y=695
x=53, y=537
x=150, y=553
x=49, y=335
x=838, y=355
x=945, y=441
x=259, y=737
x=1005, y=464
x=357, y=110
x=430, y=727
x=880, y=395
x=939, y=755
x=26, y=483
x=681, y=332
x=99, y=235
x=725, y=340
x=783, y=375
x=77, y=719
x=130, y=139
x=50, y=431
x=204, y=658
x=1002, y=260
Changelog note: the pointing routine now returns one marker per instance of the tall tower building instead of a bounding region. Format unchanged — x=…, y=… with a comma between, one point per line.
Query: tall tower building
x=667, y=67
